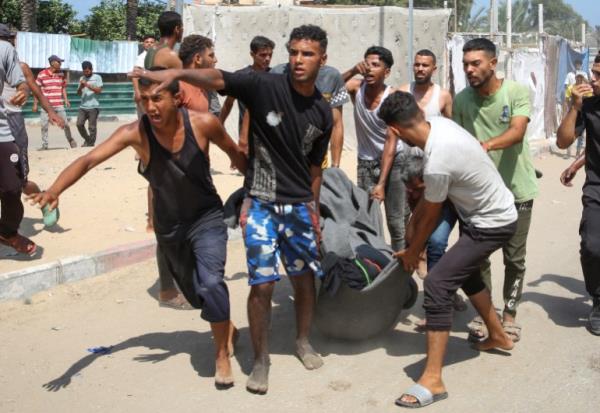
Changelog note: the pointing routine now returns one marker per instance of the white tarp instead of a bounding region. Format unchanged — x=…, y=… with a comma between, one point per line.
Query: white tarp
x=528, y=69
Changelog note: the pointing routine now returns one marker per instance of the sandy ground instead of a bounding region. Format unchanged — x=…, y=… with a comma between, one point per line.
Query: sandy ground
x=162, y=359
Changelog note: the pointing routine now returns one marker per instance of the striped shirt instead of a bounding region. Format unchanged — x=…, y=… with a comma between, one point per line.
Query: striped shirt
x=52, y=85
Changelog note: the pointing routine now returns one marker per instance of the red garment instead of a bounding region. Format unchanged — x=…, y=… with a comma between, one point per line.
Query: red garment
x=193, y=97
x=52, y=85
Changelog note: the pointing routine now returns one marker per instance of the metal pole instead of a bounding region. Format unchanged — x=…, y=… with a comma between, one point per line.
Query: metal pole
x=540, y=18
x=509, y=38
x=493, y=20
x=455, y=16
x=410, y=37
x=583, y=34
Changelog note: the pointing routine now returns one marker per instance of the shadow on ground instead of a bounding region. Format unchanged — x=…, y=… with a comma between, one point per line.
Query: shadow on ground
x=563, y=311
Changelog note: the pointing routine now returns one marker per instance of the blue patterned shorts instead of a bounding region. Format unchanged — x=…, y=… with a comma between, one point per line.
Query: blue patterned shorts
x=274, y=233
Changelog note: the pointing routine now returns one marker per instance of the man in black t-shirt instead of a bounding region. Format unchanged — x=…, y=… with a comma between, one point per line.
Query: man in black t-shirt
x=290, y=128
x=586, y=114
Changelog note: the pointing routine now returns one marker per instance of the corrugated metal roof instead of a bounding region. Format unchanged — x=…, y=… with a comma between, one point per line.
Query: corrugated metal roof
x=106, y=56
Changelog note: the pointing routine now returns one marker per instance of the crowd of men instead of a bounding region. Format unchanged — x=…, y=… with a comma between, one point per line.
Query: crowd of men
x=433, y=160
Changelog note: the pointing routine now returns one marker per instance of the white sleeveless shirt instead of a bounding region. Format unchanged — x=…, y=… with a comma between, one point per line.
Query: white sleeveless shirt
x=433, y=106
x=370, y=129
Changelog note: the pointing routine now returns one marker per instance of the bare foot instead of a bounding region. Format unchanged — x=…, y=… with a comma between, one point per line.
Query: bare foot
x=307, y=355
x=258, y=381
x=223, y=375
x=502, y=342
x=435, y=386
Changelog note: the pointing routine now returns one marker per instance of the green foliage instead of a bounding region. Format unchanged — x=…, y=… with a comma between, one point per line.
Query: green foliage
x=107, y=20
x=10, y=12
x=55, y=16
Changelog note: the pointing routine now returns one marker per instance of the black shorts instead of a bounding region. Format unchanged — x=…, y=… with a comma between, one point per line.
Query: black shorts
x=16, y=122
x=11, y=170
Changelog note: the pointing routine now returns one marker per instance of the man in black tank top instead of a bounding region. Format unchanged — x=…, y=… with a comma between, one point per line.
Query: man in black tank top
x=290, y=127
x=172, y=145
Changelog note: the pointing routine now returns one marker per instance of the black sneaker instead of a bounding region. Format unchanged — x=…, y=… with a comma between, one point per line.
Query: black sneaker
x=594, y=318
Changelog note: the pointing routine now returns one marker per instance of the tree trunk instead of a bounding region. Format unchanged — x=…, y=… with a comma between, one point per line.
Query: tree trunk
x=28, y=15
x=132, y=10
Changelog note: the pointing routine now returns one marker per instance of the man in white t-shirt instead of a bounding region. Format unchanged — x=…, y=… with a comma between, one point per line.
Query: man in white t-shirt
x=148, y=42
x=455, y=167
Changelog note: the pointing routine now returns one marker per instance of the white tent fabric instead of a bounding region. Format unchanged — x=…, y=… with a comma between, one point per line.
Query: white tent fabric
x=528, y=69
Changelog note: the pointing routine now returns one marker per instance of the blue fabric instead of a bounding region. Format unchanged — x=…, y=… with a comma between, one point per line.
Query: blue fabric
x=438, y=240
x=274, y=231
x=566, y=63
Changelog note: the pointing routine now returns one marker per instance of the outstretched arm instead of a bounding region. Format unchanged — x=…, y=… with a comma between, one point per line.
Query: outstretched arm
x=126, y=135
x=209, y=79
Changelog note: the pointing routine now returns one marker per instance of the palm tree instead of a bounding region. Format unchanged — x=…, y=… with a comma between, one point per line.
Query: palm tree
x=131, y=20
x=28, y=15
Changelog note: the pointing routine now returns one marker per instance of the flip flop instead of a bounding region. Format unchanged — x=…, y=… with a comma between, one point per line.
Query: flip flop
x=20, y=244
x=422, y=394
x=513, y=330
x=477, y=330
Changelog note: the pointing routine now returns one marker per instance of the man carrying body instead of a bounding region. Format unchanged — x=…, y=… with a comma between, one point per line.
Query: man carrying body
x=384, y=184
x=279, y=216
x=433, y=101
x=90, y=85
x=455, y=168
x=332, y=86
x=52, y=82
x=11, y=170
x=147, y=44
x=172, y=146
x=261, y=51
x=497, y=112
x=585, y=114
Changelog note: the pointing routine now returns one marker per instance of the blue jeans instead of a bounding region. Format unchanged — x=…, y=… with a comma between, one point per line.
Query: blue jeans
x=438, y=240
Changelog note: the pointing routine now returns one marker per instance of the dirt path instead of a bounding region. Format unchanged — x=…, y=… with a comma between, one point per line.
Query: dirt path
x=162, y=359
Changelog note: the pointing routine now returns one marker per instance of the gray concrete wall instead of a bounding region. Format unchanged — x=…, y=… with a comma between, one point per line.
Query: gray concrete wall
x=351, y=30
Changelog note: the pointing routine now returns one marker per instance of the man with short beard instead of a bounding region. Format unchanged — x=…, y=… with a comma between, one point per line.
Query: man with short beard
x=382, y=181
x=291, y=125
x=431, y=98
x=496, y=112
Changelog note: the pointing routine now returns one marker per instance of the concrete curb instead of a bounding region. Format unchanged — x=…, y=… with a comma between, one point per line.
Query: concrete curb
x=26, y=282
